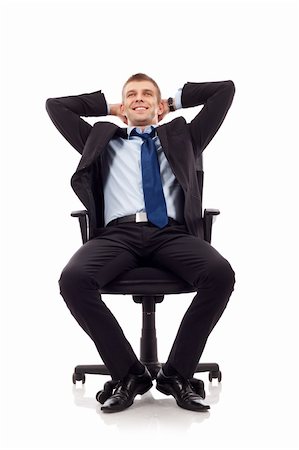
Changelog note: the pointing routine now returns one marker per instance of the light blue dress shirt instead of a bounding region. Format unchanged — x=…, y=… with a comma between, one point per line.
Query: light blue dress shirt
x=122, y=177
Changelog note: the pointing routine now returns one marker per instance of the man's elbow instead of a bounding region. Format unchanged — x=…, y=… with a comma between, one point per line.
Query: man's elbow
x=49, y=103
x=231, y=87
x=229, y=90
x=52, y=106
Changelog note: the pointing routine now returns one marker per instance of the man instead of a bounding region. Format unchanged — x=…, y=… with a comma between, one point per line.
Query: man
x=144, y=172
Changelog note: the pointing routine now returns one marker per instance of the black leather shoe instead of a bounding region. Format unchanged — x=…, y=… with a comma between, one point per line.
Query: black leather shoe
x=126, y=390
x=181, y=389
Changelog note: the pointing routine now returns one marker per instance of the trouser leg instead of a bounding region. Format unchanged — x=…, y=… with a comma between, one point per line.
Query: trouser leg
x=197, y=262
x=94, y=265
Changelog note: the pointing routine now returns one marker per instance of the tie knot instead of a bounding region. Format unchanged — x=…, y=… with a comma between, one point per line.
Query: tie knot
x=144, y=136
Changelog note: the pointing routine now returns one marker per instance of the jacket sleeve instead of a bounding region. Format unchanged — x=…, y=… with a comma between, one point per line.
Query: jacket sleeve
x=65, y=113
x=217, y=97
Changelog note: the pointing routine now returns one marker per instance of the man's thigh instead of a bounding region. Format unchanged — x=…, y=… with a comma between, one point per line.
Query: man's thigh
x=105, y=257
x=191, y=258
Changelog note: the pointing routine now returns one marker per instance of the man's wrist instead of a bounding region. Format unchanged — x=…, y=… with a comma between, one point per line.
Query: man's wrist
x=171, y=104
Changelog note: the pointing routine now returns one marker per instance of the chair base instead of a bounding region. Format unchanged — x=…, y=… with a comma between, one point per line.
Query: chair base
x=153, y=367
x=148, y=346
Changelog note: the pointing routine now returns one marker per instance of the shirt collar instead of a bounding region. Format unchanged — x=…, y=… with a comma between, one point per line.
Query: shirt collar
x=148, y=129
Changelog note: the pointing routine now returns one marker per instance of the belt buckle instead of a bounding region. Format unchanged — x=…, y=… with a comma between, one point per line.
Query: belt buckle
x=141, y=217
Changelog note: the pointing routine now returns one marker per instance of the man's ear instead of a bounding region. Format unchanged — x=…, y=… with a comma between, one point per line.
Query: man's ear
x=161, y=111
x=160, y=108
x=122, y=109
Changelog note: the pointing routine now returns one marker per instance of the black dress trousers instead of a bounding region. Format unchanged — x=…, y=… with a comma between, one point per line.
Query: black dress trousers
x=123, y=246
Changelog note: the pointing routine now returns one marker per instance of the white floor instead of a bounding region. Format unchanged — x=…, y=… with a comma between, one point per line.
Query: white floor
x=254, y=407
x=56, y=415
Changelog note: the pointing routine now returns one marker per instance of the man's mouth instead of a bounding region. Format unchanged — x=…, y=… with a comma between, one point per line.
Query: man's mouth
x=140, y=108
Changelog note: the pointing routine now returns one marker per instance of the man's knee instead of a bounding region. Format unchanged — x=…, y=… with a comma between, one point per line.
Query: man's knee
x=73, y=279
x=217, y=274
x=223, y=274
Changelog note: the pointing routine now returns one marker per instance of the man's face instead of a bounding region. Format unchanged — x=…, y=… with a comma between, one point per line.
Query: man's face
x=140, y=103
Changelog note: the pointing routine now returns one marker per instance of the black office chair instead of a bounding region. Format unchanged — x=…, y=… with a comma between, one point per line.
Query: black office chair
x=148, y=285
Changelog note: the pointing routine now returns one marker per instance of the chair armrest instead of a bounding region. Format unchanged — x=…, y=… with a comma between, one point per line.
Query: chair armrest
x=80, y=213
x=83, y=221
x=208, y=220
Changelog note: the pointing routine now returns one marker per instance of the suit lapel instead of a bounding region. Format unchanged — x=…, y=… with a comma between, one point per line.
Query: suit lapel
x=161, y=131
x=97, y=141
x=173, y=152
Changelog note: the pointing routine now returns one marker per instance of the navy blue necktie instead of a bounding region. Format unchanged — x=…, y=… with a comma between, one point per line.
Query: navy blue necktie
x=154, y=199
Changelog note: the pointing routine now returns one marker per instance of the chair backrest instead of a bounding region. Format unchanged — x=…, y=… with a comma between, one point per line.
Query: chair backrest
x=200, y=175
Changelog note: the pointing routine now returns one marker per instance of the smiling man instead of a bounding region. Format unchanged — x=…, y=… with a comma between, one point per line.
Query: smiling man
x=139, y=186
x=141, y=102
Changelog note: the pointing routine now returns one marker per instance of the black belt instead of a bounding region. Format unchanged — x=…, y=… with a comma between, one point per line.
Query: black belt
x=140, y=217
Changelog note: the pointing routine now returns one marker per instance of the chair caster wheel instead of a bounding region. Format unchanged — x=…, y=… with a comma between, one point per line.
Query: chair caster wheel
x=78, y=377
x=217, y=375
x=101, y=397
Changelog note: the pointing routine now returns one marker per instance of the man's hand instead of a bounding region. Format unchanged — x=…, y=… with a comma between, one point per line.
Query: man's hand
x=115, y=111
x=165, y=110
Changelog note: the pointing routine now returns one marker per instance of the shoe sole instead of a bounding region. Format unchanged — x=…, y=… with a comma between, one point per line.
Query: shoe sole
x=203, y=408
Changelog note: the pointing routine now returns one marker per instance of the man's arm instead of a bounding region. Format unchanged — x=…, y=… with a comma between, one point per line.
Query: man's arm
x=65, y=113
x=217, y=97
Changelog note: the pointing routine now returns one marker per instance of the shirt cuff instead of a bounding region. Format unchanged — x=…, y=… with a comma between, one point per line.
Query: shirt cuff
x=178, y=99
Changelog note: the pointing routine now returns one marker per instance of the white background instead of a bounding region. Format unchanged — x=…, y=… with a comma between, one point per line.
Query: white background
x=59, y=48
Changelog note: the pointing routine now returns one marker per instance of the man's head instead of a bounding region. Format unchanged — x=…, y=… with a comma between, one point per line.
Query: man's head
x=141, y=100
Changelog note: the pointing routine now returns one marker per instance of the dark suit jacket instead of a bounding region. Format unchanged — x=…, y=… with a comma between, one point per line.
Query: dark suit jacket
x=182, y=144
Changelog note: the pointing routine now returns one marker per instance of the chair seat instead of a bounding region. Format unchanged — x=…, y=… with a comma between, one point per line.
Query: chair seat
x=147, y=280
